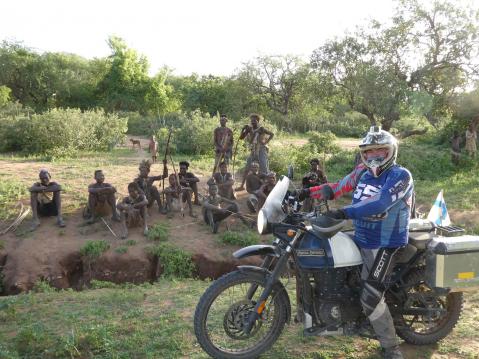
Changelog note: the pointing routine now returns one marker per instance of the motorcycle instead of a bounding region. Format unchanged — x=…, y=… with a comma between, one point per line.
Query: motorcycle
x=243, y=313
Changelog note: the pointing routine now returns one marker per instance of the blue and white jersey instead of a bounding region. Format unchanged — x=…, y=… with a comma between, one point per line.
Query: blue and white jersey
x=381, y=209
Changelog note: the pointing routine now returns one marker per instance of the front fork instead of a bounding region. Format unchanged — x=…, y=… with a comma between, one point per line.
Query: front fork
x=279, y=268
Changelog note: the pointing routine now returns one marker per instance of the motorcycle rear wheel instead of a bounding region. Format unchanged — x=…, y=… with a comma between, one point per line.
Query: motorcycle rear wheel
x=223, y=309
x=423, y=329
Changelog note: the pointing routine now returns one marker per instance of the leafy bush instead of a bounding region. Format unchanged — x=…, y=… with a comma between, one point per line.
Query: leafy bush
x=324, y=142
x=175, y=261
x=61, y=130
x=42, y=286
x=100, y=284
x=137, y=124
x=159, y=232
x=195, y=136
x=94, y=249
x=121, y=249
x=242, y=239
x=130, y=242
x=298, y=156
x=342, y=122
x=10, y=191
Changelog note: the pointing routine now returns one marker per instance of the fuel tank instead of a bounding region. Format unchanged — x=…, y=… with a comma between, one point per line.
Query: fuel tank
x=335, y=252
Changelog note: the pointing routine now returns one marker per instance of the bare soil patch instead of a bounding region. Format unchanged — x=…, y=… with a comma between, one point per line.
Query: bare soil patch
x=53, y=254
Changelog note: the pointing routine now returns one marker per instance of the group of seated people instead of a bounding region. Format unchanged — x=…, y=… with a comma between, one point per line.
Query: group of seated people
x=45, y=197
x=219, y=204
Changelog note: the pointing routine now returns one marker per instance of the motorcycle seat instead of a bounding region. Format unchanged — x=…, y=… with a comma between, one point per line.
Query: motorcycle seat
x=420, y=239
x=326, y=227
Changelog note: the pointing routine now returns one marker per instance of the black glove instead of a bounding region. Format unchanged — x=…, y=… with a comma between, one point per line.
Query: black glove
x=301, y=194
x=336, y=214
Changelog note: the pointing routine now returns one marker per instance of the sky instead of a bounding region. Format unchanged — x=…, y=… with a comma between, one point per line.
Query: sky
x=201, y=36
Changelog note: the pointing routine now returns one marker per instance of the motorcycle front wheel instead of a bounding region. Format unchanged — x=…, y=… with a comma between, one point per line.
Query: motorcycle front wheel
x=223, y=311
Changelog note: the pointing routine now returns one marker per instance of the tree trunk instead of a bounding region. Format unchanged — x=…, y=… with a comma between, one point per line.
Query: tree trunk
x=388, y=121
x=408, y=133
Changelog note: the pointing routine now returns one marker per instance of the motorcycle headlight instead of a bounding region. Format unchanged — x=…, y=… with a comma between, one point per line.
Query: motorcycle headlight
x=262, y=222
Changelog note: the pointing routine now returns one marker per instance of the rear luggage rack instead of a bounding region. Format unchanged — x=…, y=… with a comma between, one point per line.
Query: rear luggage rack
x=449, y=231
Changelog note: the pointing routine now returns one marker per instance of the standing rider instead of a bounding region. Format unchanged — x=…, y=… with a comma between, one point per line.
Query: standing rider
x=380, y=209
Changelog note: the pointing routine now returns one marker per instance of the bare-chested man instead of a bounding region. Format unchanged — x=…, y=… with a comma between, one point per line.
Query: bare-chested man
x=145, y=182
x=258, y=138
x=315, y=177
x=45, y=199
x=217, y=208
x=253, y=184
x=101, y=195
x=224, y=180
x=172, y=194
x=133, y=209
x=153, y=148
x=266, y=189
x=223, y=139
x=188, y=179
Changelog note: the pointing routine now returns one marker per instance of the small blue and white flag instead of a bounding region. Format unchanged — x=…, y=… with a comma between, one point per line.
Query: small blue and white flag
x=438, y=213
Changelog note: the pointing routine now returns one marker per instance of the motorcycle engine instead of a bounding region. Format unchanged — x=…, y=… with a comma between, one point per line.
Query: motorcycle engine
x=337, y=295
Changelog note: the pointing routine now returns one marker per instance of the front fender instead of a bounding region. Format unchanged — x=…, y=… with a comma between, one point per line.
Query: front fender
x=256, y=250
x=278, y=287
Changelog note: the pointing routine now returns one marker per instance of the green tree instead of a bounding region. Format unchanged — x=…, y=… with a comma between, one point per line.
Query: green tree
x=417, y=63
x=48, y=80
x=208, y=94
x=126, y=83
x=160, y=97
x=4, y=95
x=276, y=80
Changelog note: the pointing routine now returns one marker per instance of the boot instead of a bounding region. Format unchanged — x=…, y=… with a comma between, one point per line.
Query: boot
x=115, y=217
x=392, y=353
x=60, y=222
x=35, y=224
x=92, y=219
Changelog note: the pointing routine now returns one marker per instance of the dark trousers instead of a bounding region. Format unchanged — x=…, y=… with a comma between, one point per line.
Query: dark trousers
x=215, y=216
x=377, y=264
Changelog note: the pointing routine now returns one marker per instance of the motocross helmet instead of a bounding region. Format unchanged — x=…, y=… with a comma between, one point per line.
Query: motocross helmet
x=378, y=138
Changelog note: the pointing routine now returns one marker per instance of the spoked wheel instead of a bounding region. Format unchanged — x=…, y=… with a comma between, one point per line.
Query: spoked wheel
x=224, y=309
x=422, y=329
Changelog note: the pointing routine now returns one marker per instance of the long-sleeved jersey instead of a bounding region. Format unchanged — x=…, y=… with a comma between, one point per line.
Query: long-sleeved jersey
x=380, y=208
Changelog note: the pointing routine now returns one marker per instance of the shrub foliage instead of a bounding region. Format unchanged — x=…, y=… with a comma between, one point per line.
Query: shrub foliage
x=61, y=130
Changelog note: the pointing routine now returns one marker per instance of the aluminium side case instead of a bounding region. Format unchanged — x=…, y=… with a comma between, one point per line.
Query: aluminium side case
x=453, y=262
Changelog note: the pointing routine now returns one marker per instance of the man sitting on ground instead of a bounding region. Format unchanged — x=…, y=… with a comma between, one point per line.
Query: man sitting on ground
x=224, y=180
x=45, y=199
x=133, y=209
x=145, y=183
x=172, y=194
x=188, y=179
x=100, y=196
x=217, y=208
x=266, y=189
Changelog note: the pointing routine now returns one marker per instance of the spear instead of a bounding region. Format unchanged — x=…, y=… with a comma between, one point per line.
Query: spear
x=179, y=186
x=165, y=159
x=234, y=155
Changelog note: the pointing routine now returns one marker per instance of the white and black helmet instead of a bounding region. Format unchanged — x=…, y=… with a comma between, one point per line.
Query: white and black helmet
x=378, y=138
